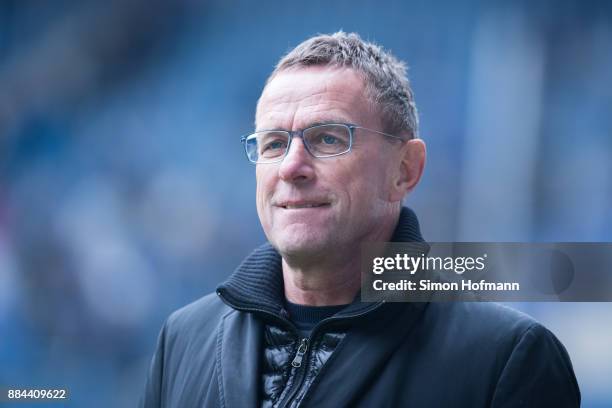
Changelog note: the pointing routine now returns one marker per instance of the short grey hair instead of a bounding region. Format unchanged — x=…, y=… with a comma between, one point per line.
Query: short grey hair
x=385, y=76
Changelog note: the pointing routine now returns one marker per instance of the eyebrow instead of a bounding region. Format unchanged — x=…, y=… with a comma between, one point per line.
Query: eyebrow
x=329, y=121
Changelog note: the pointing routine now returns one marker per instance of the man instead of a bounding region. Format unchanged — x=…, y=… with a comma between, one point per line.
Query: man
x=336, y=152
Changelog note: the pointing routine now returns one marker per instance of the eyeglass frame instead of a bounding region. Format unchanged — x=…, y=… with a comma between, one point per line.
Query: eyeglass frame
x=300, y=133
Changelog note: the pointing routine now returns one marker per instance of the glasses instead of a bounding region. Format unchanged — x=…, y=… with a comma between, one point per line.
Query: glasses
x=326, y=140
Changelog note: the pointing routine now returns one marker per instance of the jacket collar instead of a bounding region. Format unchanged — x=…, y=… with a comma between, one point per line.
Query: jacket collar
x=257, y=284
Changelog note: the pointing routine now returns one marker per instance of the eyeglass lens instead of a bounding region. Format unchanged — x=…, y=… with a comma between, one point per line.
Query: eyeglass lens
x=321, y=141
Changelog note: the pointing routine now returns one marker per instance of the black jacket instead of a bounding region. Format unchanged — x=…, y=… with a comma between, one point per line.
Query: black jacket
x=454, y=354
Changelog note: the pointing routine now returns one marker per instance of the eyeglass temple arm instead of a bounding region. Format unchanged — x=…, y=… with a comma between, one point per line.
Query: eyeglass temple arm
x=380, y=133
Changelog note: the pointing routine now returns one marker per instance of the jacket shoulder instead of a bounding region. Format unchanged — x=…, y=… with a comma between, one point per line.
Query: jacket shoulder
x=184, y=356
x=492, y=320
x=506, y=349
x=200, y=316
x=477, y=328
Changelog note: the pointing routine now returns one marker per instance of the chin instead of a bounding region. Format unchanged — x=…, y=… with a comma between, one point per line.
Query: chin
x=300, y=244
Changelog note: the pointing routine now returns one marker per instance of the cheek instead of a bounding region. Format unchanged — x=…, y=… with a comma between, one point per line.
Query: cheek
x=368, y=182
x=264, y=190
x=382, y=174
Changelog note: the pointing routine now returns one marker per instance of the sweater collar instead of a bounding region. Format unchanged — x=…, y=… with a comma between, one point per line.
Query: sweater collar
x=257, y=284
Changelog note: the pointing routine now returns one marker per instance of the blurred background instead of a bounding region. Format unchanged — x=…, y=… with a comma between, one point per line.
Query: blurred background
x=125, y=193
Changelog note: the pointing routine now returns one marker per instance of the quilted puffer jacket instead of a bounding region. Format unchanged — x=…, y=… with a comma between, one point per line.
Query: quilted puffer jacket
x=286, y=374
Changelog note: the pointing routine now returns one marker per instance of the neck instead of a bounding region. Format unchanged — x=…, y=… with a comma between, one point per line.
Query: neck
x=322, y=286
x=335, y=278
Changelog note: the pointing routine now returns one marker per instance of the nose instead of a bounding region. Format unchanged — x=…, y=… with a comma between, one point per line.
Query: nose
x=297, y=166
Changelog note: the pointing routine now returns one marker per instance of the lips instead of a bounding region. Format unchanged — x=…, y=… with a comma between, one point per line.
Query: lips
x=295, y=205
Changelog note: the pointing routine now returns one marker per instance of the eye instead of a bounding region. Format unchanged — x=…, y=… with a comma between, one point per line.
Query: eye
x=274, y=145
x=329, y=139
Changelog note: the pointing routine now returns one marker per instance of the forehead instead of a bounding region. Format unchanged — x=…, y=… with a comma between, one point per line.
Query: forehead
x=297, y=98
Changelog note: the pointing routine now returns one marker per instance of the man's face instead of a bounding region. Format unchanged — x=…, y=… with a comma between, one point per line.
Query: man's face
x=309, y=206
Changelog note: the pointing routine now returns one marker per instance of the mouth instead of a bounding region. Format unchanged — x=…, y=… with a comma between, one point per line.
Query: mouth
x=302, y=205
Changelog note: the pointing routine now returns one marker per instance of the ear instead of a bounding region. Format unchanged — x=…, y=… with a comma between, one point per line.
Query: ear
x=412, y=162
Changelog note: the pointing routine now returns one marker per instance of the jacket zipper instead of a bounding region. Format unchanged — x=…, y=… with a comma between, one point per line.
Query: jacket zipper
x=299, y=375
x=303, y=348
x=299, y=356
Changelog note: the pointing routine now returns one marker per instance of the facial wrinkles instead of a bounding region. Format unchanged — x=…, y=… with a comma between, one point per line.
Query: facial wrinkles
x=286, y=109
